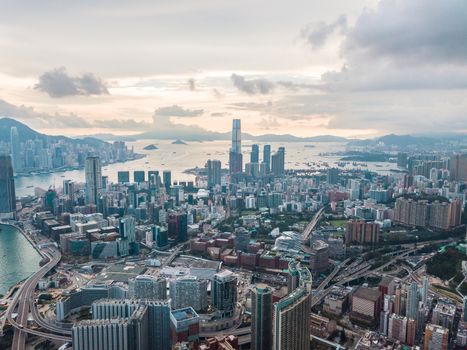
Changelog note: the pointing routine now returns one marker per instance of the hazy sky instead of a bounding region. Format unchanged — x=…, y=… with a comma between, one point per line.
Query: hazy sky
x=350, y=68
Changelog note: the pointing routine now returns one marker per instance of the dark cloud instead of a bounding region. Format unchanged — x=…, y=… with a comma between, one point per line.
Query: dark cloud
x=405, y=45
x=253, y=86
x=58, y=83
x=316, y=34
x=177, y=111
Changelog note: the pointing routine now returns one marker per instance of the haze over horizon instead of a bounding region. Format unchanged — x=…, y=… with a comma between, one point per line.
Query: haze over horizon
x=346, y=69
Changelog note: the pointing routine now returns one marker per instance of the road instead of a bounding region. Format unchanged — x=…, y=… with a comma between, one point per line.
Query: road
x=311, y=225
x=24, y=302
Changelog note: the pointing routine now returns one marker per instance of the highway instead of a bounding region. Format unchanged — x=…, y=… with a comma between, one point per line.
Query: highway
x=24, y=302
x=311, y=225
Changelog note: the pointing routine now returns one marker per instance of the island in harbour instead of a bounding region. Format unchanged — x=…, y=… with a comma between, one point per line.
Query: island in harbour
x=179, y=142
x=151, y=147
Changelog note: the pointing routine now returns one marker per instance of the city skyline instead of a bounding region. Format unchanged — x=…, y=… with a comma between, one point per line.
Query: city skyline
x=310, y=69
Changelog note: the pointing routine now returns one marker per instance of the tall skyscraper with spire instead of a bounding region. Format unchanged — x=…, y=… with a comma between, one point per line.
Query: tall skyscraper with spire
x=93, y=174
x=235, y=155
x=7, y=188
x=15, y=149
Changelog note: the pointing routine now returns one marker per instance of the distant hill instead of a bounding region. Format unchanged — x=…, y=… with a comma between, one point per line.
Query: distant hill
x=397, y=140
x=26, y=133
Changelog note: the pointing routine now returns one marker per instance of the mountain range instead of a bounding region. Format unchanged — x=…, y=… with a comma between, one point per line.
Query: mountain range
x=26, y=133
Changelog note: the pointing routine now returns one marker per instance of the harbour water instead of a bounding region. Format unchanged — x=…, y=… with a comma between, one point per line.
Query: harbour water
x=179, y=157
x=18, y=259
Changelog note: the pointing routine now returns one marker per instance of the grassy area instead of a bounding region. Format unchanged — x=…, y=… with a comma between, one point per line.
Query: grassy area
x=337, y=223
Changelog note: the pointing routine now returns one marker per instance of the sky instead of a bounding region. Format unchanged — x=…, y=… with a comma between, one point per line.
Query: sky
x=353, y=68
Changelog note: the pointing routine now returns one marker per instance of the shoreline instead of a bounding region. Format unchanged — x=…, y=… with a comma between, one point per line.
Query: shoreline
x=73, y=168
x=17, y=284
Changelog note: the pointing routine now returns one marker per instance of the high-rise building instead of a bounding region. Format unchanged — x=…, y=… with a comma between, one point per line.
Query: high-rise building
x=123, y=176
x=412, y=301
x=254, y=155
x=213, y=170
x=147, y=287
x=436, y=337
x=333, y=176
x=458, y=169
x=139, y=176
x=267, y=157
x=189, y=291
x=397, y=329
x=224, y=293
x=292, y=322
x=261, y=317
x=124, y=324
x=93, y=173
x=7, y=188
x=184, y=326
x=235, y=154
x=15, y=150
x=425, y=290
x=178, y=226
x=278, y=162
x=167, y=179
x=361, y=232
x=127, y=232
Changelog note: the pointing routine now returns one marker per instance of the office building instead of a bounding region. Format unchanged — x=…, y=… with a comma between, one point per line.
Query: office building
x=458, y=169
x=127, y=232
x=147, y=287
x=160, y=237
x=15, y=150
x=254, y=154
x=123, y=177
x=178, y=227
x=167, y=179
x=241, y=239
x=333, y=176
x=292, y=322
x=319, y=257
x=189, y=291
x=235, y=154
x=224, y=293
x=93, y=174
x=436, y=337
x=278, y=162
x=7, y=188
x=411, y=310
x=261, y=317
x=139, y=176
x=213, y=170
x=267, y=157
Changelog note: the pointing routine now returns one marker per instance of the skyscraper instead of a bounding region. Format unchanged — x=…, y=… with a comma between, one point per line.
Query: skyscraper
x=235, y=154
x=254, y=155
x=213, y=169
x=278, y=162
x=178, y=227
x=7, y=188
x=123, y=176
x=291, y=324
x=167, y=179
x=261, y=318
x=267, y=157
x=224, y=293
x=412, y=301
x=93, y=173
x=15, y=149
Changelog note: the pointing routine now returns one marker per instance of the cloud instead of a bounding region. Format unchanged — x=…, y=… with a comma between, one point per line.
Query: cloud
x=404, y=45
x=177, y=111
x=316, y=34
x=191, y=84
x=42, y=120
x=123, y=124
x=58, y=83
x=253, y=86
